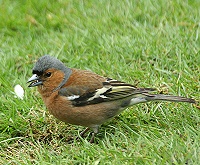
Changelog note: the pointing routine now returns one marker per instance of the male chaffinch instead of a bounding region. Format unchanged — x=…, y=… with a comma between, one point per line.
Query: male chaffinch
x=84, y=98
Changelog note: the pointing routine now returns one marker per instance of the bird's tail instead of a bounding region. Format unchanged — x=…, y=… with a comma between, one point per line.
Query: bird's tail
x=146, y=97
x=161, y=97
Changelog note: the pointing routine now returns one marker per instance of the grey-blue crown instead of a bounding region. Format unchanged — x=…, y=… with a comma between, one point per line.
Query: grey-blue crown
x=46, y=62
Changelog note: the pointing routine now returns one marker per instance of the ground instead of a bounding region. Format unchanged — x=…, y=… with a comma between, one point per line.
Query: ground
x=145, y=43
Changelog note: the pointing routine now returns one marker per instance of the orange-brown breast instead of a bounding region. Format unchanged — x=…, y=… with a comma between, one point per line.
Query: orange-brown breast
x=88, y=115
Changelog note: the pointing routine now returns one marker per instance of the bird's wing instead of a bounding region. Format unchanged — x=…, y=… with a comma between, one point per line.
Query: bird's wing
x=111, y=90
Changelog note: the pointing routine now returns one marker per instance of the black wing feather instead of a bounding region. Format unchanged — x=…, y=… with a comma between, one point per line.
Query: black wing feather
x=112, y=90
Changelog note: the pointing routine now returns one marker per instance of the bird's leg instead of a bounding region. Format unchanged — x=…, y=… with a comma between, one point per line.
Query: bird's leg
x=95, y=131
x=83, y=133
x=92, y=138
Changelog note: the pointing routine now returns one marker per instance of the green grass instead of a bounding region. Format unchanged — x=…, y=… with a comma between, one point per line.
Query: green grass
x=149, y=43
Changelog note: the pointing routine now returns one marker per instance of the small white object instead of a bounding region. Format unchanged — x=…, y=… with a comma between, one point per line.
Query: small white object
x=19, y=91
x=104, y=97
x=73, y=97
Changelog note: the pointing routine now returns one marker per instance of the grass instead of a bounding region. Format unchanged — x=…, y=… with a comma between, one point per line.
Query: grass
x=149, y=43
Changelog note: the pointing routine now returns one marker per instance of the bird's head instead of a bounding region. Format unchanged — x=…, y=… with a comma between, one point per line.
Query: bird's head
x=50, y=73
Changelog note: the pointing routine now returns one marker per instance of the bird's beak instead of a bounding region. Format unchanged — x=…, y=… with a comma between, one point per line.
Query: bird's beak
x=35, y=81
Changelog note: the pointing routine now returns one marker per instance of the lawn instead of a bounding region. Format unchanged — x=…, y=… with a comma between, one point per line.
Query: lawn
x=146, y=43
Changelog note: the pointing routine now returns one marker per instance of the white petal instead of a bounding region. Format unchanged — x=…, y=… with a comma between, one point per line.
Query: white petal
x=19, y=91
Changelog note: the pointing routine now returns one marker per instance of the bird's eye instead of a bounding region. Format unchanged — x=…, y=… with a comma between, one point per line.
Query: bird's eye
x=48, y=74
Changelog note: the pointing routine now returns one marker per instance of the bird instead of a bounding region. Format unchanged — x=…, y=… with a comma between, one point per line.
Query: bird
x=81, y=97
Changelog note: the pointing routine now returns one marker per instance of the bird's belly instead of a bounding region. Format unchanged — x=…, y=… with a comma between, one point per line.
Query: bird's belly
x=88, y=115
